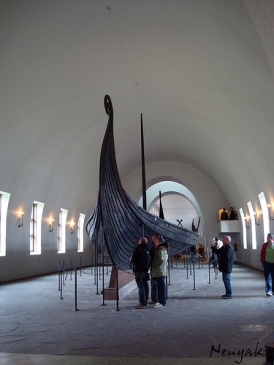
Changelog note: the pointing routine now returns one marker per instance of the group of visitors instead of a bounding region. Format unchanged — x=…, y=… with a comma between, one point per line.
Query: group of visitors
x=231, y=215
x=155, y=261
x=224, y=258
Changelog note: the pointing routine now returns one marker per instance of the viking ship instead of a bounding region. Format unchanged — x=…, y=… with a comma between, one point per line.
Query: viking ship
x=117, y=223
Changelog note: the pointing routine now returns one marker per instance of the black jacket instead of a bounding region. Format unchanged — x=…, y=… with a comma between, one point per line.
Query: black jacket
x=141, y=258
x=226, y=257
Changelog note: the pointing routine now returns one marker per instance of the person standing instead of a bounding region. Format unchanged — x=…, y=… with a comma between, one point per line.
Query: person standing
x=267, y=259
x=224, y=215
x=154, y=291
x=159, y=269
x=232, y=215
x=225, y=261
x=214, y=257
x=141, y=264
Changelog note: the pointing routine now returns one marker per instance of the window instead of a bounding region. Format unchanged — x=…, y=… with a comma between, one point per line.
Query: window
x=80, y=232
x=35, y=228
x=61, y=236
x=265, y=213
x=253, y=225
x=244, y=223
x=4, y=202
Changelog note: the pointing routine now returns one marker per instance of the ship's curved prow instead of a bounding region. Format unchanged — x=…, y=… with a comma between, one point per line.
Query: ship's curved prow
x=117, y=222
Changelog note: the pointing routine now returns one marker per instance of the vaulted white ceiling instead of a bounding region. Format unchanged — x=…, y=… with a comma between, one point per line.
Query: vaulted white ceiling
x=200, y=72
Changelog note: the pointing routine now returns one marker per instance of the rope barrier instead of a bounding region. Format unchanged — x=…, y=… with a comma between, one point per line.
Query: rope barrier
x=189, y=265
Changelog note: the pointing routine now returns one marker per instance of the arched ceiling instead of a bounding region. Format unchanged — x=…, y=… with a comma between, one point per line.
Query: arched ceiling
x=201, y=72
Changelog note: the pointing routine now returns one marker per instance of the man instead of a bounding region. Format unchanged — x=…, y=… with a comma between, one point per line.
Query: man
x=154, y=291
x=226, y=253
x=159, y=269
x=232, y=215
x=224, y=215
x=141, y=264
x=267, y=259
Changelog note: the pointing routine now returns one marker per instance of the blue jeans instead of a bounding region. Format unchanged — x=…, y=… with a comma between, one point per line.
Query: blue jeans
x=226, y=280
x=141, y=281
x=161, y=286
x=154, y=291
x=269, y=276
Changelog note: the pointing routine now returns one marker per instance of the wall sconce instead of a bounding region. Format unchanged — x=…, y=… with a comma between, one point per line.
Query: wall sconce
x=72, y=224
x=51, y=225
x=22, y=219
x=246, y=222
x=257, y=222
x=271, y=218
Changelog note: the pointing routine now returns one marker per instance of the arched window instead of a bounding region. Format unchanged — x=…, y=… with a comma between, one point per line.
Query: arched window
x=80, y=232
x=61, y=235
x=4, y=202
x=35, y=228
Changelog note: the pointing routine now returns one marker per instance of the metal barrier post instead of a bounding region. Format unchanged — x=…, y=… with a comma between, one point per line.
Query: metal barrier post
x=61, y=293
x=101, y=263
x=194, y=288
x=76, y=309
x=186, y=264
x=168, y=269
x=59, y=276
x=63, y=271
x=117, y=291
x=103, y=281
x=209, y=272
x=107, y=265
x=190, y=262
x=95, y=265
x=97, y=271
x=70, y=269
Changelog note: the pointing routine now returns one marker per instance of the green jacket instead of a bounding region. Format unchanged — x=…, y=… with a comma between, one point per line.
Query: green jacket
x=159, y=263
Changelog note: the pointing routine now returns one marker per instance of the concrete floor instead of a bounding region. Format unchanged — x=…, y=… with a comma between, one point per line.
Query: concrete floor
x=196, y=327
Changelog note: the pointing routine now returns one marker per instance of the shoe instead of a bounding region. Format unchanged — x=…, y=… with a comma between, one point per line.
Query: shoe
x=140, y=307
x=226, y=296
x=159, y=305
x=152, y=302
x=269, y=294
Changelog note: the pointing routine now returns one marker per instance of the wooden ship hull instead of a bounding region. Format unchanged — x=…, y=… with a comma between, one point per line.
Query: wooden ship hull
x=117, y=222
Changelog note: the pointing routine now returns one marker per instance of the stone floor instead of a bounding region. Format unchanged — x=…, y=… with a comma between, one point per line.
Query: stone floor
x=196, y=327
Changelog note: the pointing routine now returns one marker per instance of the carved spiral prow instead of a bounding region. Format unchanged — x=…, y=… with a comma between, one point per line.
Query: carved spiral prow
x=108, y=105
